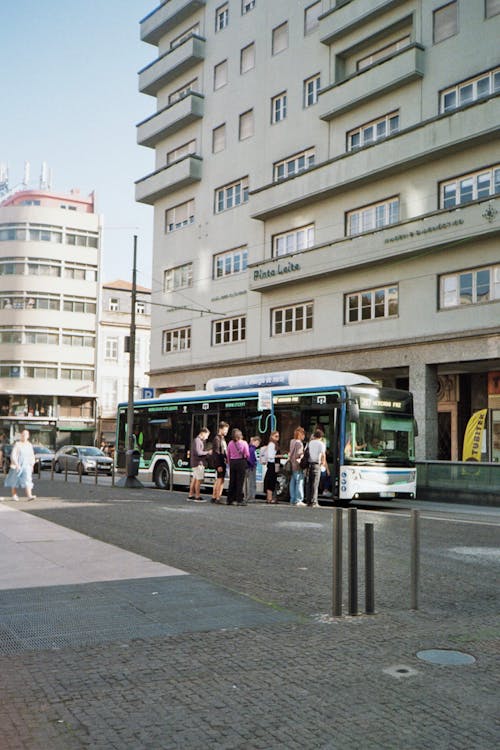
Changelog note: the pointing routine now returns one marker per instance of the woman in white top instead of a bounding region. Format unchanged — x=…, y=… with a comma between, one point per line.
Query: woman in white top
x=22, y=460
x=272, y=450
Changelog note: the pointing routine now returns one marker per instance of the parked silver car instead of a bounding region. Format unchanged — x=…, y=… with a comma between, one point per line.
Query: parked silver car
x=43, y=458
x=84, y=458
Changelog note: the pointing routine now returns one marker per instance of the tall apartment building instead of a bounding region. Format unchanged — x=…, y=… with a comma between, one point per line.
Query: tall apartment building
x=114, y=336
x=327, y=191
x=49, y=260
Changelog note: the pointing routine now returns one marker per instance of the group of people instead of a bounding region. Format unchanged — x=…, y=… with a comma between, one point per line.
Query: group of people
x=307, y=464
x=238, y=454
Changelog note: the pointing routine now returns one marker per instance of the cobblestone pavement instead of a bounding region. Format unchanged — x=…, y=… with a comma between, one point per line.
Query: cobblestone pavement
x=319, y=682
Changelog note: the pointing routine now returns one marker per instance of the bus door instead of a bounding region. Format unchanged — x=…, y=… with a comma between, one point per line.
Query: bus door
x=322, y=410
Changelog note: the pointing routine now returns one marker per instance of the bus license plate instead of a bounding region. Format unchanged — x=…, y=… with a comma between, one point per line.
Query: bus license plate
x=387, y=494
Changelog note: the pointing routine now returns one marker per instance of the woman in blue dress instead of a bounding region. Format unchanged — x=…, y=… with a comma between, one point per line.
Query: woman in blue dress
x=22, y=460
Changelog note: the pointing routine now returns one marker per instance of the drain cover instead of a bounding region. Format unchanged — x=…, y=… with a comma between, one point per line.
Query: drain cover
x=446, y=657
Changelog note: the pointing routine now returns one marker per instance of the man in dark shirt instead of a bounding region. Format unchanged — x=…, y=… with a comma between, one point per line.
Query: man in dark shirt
x=197, y=464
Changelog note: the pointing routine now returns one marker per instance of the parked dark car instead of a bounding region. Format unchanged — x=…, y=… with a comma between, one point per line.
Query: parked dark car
x=5, y=461
x=43, y=458
x=84, y=458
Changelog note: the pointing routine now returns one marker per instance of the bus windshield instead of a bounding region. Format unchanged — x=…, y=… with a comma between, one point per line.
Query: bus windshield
x=381, y=438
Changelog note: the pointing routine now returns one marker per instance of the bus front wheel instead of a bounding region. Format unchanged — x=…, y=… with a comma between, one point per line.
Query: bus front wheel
x=161, y=476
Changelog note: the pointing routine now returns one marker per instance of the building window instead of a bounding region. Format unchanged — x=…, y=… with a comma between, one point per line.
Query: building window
x=469, y=91
x=232, y=195
x=311, y=90
x=470, y=287
x=247, y=6
x=383, y=52
x=293, y=164
x=181, y=151
x=230, y=262
x=184, y=90
x=247, y=58
x=278, y=107
x=41, y=372
x=111, y=349
x=373, y=131
x=180, y=277
x=222, y=17
x=228, y=331
x=79, y=305
x=179, y=216
x=445, y=22
x=311, y=17
x=185, y=35
x=140, y=308
x=470, y=187
x=177, y=340
x=292, y=319
x=492, y=8
x=220, y=75
x=372, y=217
x=371, y=304
x=293, y=241
x=80, y=271
x=280, y=38
x=219, y=138
x=76, y=373
x=246, y=125
x=114, y=304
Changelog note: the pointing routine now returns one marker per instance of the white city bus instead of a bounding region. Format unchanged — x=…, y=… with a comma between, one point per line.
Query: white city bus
x=369, y=430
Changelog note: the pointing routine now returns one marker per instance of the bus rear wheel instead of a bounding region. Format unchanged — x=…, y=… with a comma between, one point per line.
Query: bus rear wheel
x=161, y=476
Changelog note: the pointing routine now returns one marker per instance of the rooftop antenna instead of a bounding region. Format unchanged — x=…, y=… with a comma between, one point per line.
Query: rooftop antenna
x=26, y=177
x=4, y=178
x=44, y=182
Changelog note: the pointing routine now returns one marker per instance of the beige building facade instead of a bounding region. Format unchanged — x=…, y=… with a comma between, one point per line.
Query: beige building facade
x=327, y=194
x=49, y=261
x=114, y=350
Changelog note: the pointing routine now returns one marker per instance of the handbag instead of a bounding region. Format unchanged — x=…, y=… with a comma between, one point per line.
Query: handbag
x=304, y=461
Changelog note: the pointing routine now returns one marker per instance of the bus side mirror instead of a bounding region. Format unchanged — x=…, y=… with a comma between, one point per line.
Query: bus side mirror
x=415, y=428
x=353, y=411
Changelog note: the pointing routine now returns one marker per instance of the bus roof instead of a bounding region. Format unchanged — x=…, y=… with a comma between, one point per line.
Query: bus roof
x=275, y=381
x=286, y=379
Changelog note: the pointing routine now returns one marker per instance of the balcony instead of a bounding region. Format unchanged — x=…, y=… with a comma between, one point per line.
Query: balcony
x=172, y=64
x=388, y=74
x=170, y=119
x=432, y=139
x=437, y=230
x=347, y=17
x=168, y=179
x=168, y=15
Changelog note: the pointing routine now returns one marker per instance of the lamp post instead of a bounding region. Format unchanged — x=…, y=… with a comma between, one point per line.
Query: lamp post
x=131, y=460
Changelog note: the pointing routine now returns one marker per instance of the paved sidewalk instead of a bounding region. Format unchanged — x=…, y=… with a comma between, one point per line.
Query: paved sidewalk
x=105, y=649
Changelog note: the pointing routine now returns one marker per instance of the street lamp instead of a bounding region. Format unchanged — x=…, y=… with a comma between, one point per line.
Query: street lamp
x=132, y=455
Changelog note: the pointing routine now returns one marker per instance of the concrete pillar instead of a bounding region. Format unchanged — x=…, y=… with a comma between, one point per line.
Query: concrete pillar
x=424, y=386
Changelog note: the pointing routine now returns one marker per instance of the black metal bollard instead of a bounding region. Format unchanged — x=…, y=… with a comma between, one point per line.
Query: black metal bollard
x=369, y=570
x=415, y=557
x=353, y=561
x=96, y=471
x=337, y=563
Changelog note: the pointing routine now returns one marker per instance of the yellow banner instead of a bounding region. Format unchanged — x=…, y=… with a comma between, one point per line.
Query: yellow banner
x=473, y=437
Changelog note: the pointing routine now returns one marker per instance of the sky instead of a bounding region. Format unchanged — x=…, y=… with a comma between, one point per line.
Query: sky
x=69, y=97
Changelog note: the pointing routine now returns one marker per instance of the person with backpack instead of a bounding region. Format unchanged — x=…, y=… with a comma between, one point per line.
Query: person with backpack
x=317, y=459
x=295, y=456
x=250, y=487
x=272, y=454
x=237, y=455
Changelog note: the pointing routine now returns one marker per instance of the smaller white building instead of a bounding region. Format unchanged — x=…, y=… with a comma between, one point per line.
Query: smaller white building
x=114, y=334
